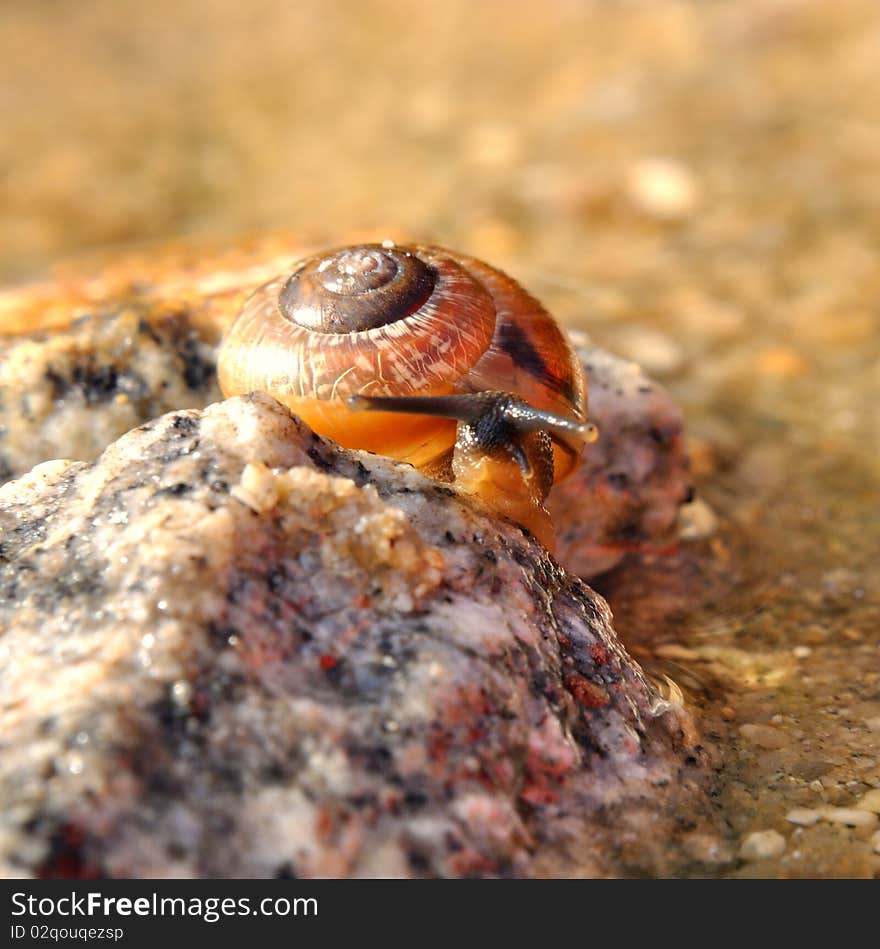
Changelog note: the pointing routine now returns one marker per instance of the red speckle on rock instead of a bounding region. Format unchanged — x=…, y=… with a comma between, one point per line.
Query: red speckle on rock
x=199, y=705
x=599, y=653
x=549, y=762
x=324, y=823
x=66, y=860
x=470, y=863
x=585, y=692
x=328, y=662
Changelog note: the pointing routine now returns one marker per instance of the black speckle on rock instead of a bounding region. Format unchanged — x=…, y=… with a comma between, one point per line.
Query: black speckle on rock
x=286, y=871
x=276, y=578
x=175, y=490
x=419, y=861
x=362, y=474
x=377, y=759
x=198, y=371
x=145, y=328
x=319, y=460
x=415, y=799
x=662, y=437
x=98, y=384
x=66, y=859
x=185, y=424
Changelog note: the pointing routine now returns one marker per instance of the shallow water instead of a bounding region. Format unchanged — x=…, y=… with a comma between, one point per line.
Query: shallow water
x=693, y=184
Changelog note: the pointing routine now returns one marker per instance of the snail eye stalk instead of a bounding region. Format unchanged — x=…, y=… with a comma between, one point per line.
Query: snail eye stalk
x=496, y=418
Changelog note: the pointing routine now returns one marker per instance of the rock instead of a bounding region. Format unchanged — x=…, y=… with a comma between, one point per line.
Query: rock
x=654, y=351
x=762, y=845
x=863, y=820
x=803, y=816
x=765, y=736
x=662, y=188
x=707, y=848
x=233, y=649
x=697, y=521
x=626, y=494
x=870, y=802
x=71, y=393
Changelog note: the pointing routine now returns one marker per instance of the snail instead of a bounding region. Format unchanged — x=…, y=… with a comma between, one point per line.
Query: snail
x=424, y=355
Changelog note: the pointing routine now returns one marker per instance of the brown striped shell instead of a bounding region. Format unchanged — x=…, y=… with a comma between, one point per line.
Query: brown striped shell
x=387, y=320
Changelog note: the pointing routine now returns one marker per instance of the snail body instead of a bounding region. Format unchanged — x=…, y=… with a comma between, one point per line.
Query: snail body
x=465, y=375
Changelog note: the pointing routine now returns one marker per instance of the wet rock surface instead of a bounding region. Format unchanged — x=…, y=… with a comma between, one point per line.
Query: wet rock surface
x=231, y=648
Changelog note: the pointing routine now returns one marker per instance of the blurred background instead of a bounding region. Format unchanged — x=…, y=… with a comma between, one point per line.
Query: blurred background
x=695, y=183
x=518, y=127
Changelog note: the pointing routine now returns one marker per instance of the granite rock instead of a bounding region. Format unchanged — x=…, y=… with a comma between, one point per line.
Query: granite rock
x=231, y=648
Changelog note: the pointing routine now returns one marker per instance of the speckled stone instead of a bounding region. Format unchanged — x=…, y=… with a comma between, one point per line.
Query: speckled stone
x=232, y=649
x=69, y=394
x=626, y=495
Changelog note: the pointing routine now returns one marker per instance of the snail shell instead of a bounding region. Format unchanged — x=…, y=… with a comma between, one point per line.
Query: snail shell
x=351, y=327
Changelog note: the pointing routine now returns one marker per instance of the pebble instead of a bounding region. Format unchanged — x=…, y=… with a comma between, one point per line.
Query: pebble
x=654, y=351
x=706, y=848
x=782, y=362
x=764, y=736
x=662, y=188
x=850, y=817
x=870, y=802
x=697, y=521
x=762, y=845
x=674, y=651
x=803, y=816
x=801, y=652
x=493, y=146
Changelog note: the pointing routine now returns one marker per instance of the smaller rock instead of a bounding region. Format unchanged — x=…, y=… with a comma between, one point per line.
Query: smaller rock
x=762, y=845
x=802, y=652
x=764, y=736
x=662, y=188
x=697, y=521
x=706, y=848
x=675, y=651
x=870, y=802
x=803, y=816
x=850, y=817
x=654, y=351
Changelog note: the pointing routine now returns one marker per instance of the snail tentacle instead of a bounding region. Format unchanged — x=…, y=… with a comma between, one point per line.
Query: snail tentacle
x=497, y=409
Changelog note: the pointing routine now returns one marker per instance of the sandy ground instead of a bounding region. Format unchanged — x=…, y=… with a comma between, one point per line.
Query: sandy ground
x=694, y=184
